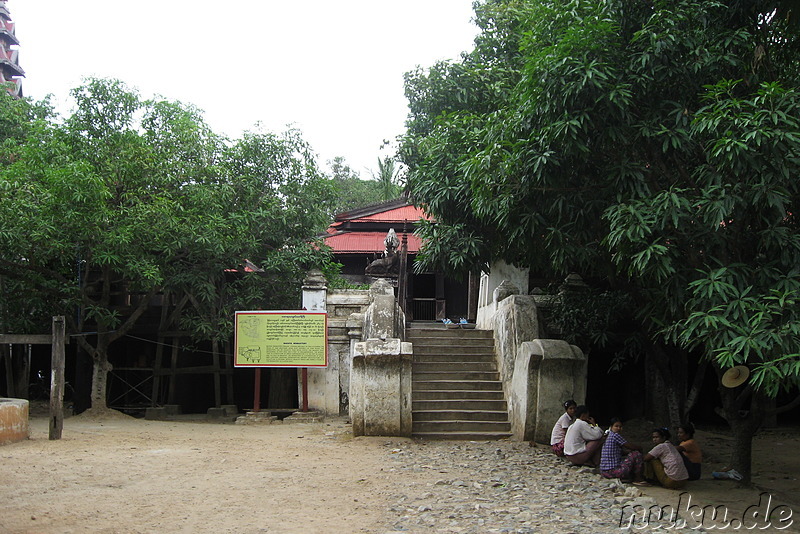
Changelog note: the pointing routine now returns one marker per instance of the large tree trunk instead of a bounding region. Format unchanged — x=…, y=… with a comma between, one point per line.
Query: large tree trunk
x=667, y=385
x=744, y=410
x=105, y=336
x=742, y=453
x=17, y=362
x=100, y=382
x=100, y=370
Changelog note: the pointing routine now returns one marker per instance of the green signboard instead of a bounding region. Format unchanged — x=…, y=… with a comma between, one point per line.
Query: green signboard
x=281, y=339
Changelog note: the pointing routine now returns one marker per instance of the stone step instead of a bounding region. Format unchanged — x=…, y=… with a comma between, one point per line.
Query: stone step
x=463, y=394
x=455, y=385
x=492, y=405
x=460, y=426
x=455, y=374
x=450, y=349
x=449, y=358
x=480, y=337
x=445, y=336
x=456, y=391
x=463, y=435
x=472, y=366
x=460, y=415
x=453, y=352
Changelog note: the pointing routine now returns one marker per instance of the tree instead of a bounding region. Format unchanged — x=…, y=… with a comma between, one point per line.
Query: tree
x=351, y=191
x=128, y=198
x=387, y=178
x=651, y=145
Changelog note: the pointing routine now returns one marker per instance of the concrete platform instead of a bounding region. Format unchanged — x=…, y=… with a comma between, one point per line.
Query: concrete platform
x=257, y=418
x=305, y=417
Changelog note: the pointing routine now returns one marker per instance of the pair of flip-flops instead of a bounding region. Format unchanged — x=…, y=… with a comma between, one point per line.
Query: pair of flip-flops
x=731, y=474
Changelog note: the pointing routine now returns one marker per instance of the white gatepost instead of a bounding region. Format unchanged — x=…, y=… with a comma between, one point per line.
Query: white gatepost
x=323, y=383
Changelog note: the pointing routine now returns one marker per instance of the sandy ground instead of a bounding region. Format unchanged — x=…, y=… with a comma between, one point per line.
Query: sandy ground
x=129, y=475
x=118, y=474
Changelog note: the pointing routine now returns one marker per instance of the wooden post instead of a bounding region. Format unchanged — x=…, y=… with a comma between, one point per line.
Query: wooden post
x=472, y=295
x=402, y=279
x=217, y=372
x=172, y=368
x=7, y=355
x=257, y=391
x=229, y=373
x=304, y=378
x=57, y=379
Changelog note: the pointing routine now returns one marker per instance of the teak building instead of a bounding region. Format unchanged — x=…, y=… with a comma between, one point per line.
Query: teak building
x=357, y=238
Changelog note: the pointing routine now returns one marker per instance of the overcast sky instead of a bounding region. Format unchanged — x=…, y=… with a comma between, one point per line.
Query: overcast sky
x=332, y=68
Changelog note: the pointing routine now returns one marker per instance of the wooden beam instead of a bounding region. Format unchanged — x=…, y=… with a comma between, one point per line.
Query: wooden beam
x=204, y=369
x=26, y=339
x=215, y=364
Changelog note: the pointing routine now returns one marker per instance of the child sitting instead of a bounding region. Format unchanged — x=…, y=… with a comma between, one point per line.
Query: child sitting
x=690, y=450
x=619, y=458
x=561, y=426
x=663, y=464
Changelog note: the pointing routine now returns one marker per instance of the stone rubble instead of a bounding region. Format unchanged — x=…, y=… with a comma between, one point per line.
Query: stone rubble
x=507, y=487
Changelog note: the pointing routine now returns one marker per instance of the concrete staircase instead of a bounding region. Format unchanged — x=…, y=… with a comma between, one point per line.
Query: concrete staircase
x=456, y=390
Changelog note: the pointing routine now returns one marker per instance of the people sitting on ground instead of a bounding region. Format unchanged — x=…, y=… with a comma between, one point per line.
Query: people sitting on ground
x=690, y=451
x=620, y=458
x=584, y=439
x=561, y=426
x=663, y=464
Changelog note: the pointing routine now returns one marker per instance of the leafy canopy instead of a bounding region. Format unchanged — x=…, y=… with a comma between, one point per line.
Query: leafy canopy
x=141, y=194
x=651, y=145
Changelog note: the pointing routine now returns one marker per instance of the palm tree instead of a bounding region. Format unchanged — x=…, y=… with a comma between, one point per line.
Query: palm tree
x=387, y=177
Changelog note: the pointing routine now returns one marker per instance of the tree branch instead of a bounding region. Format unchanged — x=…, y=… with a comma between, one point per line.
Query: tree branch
x=786, y=407
x=694, y=392
x=143, y=304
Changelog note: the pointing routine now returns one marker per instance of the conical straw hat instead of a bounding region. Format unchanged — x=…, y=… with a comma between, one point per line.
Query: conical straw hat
x=735, y=376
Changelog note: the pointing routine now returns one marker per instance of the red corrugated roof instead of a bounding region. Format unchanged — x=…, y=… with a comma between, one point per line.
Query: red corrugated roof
x=366, y=242
x=406, y=213
x=395, y=216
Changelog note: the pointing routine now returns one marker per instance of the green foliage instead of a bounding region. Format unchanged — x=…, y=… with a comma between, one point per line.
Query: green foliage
x=590, y=317
x=140, y=196
x=732, y=311
x=387, y=178
x=350, y=190
x=648, y=144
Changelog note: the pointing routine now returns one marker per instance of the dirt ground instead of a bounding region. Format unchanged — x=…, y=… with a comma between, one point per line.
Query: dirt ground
x=127, y=475
x=118, y=474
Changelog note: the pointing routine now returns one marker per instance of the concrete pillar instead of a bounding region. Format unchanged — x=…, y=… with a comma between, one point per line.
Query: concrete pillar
x=315, y=291
x=380, y=372
x=323, y=383
x=547, y=372
x=500, y=272
x=380, y=388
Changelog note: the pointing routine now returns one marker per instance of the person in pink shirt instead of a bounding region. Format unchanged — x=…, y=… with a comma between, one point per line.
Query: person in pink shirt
x=561, y=426
x=663, y=464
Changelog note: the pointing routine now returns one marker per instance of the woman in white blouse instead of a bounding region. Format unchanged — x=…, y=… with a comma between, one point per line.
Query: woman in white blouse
x=583, y=443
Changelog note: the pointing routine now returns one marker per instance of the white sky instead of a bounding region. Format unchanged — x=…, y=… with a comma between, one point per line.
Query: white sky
x=332, y=68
